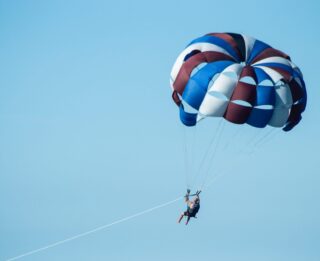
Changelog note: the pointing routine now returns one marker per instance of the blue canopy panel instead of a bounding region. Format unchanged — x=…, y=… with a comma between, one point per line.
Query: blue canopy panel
x=219, y=42
x=305, y=97
x=266, y=95
x=192, y=53
x=188, y=119
x=261, y=75
x=295, y=116
x=259, y=118
x=197, y=85
x=304, y=91
x=258, y=47
x=298, y=108
x=286, y=71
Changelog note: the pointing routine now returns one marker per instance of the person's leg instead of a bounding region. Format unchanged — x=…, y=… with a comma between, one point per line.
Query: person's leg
x=187, y=220
x=181, y=217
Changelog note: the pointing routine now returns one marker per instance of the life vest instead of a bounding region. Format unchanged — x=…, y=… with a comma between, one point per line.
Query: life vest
x=194, y=210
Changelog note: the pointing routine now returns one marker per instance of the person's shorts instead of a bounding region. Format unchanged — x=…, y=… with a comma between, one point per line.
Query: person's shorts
x=188, y=214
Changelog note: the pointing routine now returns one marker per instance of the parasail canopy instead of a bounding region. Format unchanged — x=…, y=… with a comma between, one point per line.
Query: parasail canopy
x=239, y=78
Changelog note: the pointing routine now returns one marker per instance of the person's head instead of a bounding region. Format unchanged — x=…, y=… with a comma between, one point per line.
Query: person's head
x=196, y=200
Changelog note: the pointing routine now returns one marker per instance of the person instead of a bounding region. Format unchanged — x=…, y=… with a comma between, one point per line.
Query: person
x=193, y=206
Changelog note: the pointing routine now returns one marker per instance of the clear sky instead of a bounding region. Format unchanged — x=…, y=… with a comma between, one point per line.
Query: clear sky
x=89, y=134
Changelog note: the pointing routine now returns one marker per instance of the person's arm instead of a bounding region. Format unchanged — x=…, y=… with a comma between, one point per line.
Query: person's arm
x=186, y=197
x=196, y=194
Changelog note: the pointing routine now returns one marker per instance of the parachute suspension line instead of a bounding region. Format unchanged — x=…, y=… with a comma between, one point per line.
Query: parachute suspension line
x=237, y=154
x=254, y=138
x=262, y=140
x=246, y=144
x=269, y=138
x=206, y=154
x=234, y=143
x=189, y=153
x=239, y=159
x=189, y=136
x=213, y=155
x=94, y=230
x=225, y=171
x=235, y=135
x=193, y=152
x=186, y=167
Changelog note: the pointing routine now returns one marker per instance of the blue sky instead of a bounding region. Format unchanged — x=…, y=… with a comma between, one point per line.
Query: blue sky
x=89, y=134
